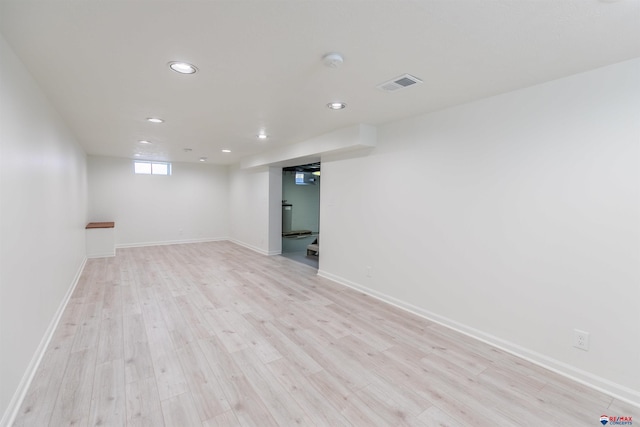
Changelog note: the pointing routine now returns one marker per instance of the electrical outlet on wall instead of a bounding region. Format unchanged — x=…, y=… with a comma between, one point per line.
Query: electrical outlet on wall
x=581, y=339
x=367, y=271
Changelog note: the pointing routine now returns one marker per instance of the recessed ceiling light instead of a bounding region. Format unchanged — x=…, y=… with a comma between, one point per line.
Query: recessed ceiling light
x=144, y=142
x=203, y=159
x=154, y=120
x=187, y=150
x=137, y=155
x=182, y=67
x=226, y=151
x=336, y=105
x=262, y=135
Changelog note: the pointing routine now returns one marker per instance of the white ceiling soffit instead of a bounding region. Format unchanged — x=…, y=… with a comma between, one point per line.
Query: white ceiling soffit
x=339, y=141
x=103, y=64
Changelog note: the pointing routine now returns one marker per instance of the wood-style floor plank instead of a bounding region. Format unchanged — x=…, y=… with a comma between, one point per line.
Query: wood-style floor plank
x=305, y=395
x=242, y=397
x=436, y=417
x=168, y=371
x=273, y=394
x=108, y=405
x=180, y=411
x=143, y=406
x=73, y=402
x=137, y=354
x=213, y=334
x=225, y=419
x=208, y=396
x=111, y=340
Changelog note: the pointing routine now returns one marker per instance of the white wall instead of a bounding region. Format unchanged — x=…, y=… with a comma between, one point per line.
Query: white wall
x=249, y=191
x=514, y=218
x=190, y=205
x=275, y=211
x=43, y=188
x=305, y=200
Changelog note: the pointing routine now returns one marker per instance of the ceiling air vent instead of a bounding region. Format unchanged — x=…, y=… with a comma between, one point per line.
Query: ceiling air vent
x=398, y=83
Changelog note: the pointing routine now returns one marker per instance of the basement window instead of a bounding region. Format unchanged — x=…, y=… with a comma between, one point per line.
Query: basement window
x=152, y=168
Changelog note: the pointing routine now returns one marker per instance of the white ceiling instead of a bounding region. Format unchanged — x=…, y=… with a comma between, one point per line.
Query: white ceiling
x=103, y=63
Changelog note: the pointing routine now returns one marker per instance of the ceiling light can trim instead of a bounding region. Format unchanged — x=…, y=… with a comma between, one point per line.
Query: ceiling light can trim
x=155, y=120
x=336, y=105
x=182, y=67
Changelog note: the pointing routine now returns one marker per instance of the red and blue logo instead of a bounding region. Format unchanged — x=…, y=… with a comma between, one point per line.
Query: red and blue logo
x=618, y=421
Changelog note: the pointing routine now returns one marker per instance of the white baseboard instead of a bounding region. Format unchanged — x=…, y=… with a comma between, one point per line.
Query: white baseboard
x=104, y=255
x=248, y=246
x=588, y=379
x=169, y=242
x=180, y=242
x=18, y=397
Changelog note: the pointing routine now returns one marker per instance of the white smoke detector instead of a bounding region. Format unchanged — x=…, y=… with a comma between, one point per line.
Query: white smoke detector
x=332, y=60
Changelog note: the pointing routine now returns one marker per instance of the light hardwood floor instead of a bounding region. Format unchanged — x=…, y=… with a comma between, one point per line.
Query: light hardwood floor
x=213, y=334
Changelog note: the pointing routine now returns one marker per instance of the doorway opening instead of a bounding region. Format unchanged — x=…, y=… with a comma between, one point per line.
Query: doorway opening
x=301, y=213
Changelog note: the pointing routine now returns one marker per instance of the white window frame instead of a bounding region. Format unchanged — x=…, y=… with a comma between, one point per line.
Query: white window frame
x=151, y=163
